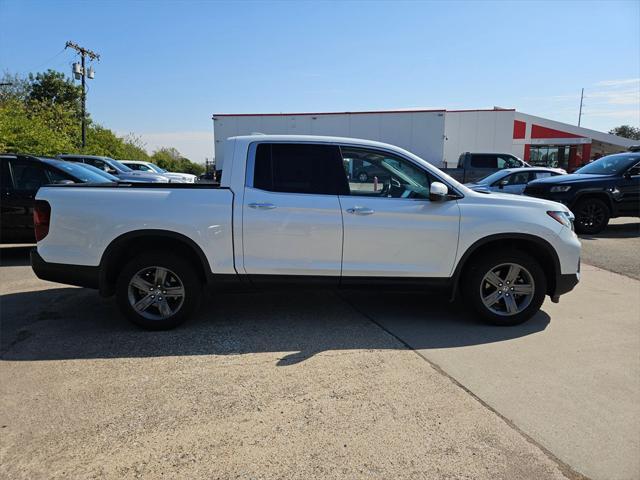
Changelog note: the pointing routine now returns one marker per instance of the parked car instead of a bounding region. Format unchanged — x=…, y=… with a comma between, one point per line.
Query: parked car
x=605, y=188
x=474, y=166
x=286, y=214
x=153, y=168
x=102, y=173
x=208, y=177
x=512, y=180
x=20, y=178
x=115, y=168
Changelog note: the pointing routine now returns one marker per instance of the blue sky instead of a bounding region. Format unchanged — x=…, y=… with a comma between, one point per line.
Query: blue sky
x=168, y=65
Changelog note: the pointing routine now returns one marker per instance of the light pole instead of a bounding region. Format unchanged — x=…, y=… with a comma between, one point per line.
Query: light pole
x=79, y=71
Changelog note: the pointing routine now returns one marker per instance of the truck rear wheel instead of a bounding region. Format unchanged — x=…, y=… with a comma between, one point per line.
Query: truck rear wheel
x=158, y=290
x=505, y=288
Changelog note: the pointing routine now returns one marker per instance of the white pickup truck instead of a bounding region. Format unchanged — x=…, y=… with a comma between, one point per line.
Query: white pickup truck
x=288, y=213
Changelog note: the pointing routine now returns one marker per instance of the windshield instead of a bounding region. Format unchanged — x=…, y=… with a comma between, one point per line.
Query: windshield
x=155, y=168
x=610, y=165
x=102, y=173
x=121, y=167
x=489, y=179
x=78, y=171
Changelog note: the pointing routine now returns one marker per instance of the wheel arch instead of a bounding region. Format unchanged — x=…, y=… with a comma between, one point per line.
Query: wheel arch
x=129, y=244
x=532, y=245
x=599, y=194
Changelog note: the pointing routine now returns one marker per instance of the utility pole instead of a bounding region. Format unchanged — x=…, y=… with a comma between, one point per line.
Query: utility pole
x=81, y=72
x=580, y=113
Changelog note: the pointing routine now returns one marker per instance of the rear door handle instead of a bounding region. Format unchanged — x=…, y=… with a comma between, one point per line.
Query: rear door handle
x=262, y=206
x=360, y=211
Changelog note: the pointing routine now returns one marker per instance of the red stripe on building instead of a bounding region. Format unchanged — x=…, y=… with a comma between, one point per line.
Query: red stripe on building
x=543, y=132
x=527, y=152
x=519, y=129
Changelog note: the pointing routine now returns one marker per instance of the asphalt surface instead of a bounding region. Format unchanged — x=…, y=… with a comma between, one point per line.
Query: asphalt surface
x=322, y=385
x=616, y=249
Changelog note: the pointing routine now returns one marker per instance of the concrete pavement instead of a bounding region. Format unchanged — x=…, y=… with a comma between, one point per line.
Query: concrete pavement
x=569, y=378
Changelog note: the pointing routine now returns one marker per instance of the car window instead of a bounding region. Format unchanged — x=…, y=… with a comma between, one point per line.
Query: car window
x=519, y=178
x=544, y=174
x=506, y=161
x=299, y=168
x=28, y=176
x=484, y=161
x=6, y=183
x=635, y=170
x=84, y=172
x=375, y=173
x=55, y=176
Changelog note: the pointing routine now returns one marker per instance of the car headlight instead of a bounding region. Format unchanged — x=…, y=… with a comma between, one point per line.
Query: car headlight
x=560, y=188
x=564, y=218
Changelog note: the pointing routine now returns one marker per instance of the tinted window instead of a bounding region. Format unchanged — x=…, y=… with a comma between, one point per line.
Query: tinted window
x=299, y=168
x=484, y=161
x=374, y=173
x=28, y=176
x=5, y=176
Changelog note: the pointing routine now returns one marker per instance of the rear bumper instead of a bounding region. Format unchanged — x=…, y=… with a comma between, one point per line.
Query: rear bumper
x=79, y=275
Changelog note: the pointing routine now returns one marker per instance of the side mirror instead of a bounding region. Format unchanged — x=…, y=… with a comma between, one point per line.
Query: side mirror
x=63, y=182
x=438, y=192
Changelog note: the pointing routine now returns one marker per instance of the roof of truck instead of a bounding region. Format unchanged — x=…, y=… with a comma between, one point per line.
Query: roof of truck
x=313, y=138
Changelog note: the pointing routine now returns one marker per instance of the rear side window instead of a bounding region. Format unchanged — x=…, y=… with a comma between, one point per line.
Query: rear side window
x=484, y=161
x=299, y=168
x=28, y=176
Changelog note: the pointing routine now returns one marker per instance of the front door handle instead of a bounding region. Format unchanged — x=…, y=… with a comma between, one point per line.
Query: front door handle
x=360, y=211
x=262, y=206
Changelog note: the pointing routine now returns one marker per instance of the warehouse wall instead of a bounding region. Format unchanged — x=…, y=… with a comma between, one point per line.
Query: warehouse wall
x=420, y=132
x=478, y=131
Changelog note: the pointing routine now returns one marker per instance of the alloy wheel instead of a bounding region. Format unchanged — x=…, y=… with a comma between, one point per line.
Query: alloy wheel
x=156, y=293
x=507, y=289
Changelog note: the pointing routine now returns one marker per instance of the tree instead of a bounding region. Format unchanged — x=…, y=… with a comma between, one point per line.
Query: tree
x=55, y=88
x=626, y=131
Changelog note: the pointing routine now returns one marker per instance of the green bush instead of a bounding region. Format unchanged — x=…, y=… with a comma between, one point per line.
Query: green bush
x=39, y=115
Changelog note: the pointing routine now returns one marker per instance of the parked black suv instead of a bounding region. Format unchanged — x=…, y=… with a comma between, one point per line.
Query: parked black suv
x=604, y=189
x=20, y=178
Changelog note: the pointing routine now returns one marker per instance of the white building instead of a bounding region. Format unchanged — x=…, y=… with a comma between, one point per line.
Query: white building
x=438, y=136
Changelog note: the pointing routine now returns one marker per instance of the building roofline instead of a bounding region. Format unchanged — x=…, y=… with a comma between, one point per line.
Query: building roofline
x=435, y=110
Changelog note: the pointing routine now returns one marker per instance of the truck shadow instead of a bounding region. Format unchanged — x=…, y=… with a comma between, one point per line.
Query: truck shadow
x=74, y=323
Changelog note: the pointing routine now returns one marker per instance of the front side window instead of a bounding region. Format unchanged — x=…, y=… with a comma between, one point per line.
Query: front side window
x=299, y=168
x=375, y=173
x=519, y=178
x=505, y=161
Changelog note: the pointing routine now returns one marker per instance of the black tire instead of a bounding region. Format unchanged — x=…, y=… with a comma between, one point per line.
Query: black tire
x=179, y=273
x=475, y=287
x=592, y=215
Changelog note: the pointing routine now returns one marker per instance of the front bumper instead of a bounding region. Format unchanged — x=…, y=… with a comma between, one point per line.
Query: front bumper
x=79, y=275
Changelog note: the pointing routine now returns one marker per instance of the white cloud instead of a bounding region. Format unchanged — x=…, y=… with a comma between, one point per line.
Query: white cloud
x=616, y=83
x=195, y=145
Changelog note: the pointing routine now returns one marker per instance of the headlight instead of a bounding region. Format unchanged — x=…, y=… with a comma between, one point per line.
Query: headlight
x=560, y=188
x=564, y=218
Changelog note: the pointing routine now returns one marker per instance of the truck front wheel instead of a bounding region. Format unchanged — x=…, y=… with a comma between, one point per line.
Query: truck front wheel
x=158, y=290
x=505, y=288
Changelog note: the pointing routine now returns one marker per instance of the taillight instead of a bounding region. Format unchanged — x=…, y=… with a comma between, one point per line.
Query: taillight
x=41, y=218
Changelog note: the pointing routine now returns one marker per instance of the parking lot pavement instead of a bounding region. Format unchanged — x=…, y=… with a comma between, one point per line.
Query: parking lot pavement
x=276, y=385
x=258, y=386
x=616, y=249
x=569, y=378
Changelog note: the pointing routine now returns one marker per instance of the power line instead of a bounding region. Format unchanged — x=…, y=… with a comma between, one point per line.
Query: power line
x=80, y=71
